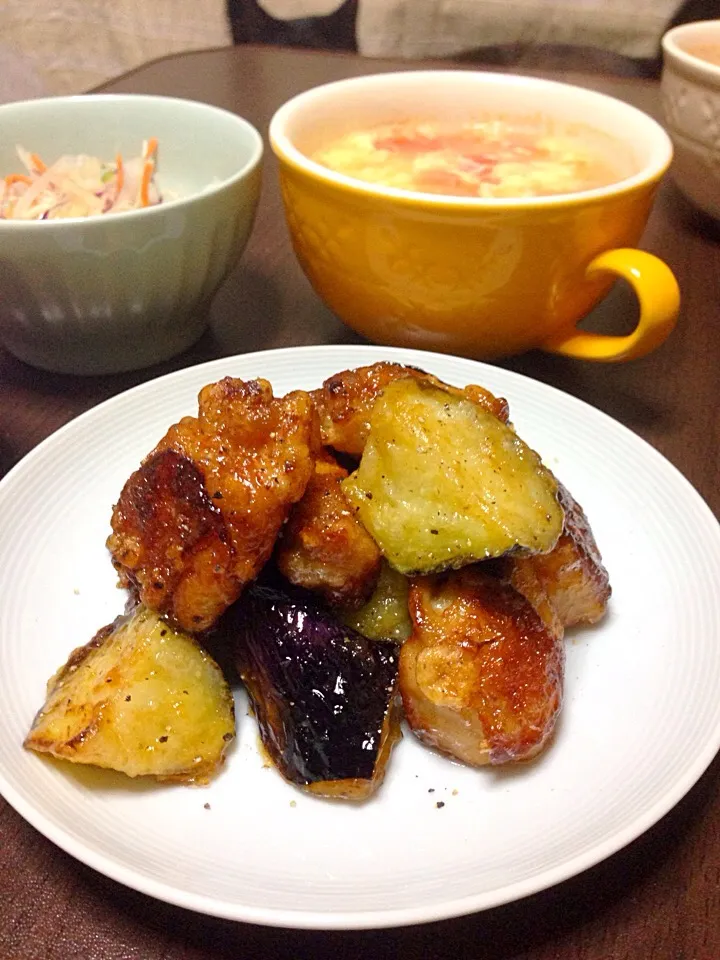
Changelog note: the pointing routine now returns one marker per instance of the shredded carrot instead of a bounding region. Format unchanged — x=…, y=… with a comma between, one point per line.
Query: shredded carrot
x=54, y=190
x=119, y=173
x=151, y=148
x=145, y=183
x=17, y=178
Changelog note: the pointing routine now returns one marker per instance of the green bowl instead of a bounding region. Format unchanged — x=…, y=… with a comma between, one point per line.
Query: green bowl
x=122, y=291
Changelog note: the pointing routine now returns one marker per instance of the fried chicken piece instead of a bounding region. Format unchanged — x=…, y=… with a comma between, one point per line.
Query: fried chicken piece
x=199, y=519
x=345, y=402
x=170, y=543
x=481, y=676
x=324, y=547
x=523, y=578
x=572, y=573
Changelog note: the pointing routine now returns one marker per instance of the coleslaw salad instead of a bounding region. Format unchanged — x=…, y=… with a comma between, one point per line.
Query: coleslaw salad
x=80, y=186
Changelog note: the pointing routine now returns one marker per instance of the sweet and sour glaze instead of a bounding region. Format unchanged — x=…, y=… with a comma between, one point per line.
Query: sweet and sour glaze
x=201, y=516
x=481, y=676
x=253, y=485
x=345, y=402
x=324, y=547
x=199, y=519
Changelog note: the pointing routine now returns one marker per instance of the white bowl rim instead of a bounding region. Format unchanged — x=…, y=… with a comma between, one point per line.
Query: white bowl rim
x=284, y=148
x=256, y=155
x=670, y=46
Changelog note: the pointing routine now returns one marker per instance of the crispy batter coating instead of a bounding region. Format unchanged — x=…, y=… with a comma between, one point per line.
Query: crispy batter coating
x=324, y=547
x=345, y=402
x=525, y=580
x=572, y=573
x=199, y=518
x=481, y=676
x=170, y=542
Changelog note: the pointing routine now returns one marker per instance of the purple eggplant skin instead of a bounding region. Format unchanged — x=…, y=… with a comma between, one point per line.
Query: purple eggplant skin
x=324, y=696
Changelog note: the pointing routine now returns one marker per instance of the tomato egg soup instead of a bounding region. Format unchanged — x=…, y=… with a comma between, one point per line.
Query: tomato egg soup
x=484, y=158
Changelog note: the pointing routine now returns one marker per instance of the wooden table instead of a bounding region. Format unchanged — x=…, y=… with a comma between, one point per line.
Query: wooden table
x=660, y=897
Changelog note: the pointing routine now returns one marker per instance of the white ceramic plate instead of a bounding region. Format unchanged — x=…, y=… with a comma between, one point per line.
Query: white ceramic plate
x=641, y=719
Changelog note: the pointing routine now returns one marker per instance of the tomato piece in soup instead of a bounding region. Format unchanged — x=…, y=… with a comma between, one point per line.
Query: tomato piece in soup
x=415, y=142
x=488, y=158
x=438, y=180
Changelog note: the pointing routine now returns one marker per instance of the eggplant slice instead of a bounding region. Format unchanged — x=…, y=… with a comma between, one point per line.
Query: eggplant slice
x=324, y=696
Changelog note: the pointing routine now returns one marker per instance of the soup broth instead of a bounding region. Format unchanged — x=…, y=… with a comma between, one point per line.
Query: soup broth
x=483, y=158
x=704, y=50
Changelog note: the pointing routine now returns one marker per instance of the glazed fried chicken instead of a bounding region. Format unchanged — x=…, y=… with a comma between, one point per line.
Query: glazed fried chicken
x=572, y=573
x=324, y=547
x=199, y=519
x=481, y=676
x=346, y=399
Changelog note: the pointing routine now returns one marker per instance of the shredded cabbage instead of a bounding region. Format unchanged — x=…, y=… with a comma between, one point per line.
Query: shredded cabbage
x=79, y=186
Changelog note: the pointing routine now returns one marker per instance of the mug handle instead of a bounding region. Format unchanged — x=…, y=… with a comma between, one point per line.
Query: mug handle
x=658, y=294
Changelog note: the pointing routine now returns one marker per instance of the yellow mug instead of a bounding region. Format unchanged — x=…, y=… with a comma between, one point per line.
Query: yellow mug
x=481, y=277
